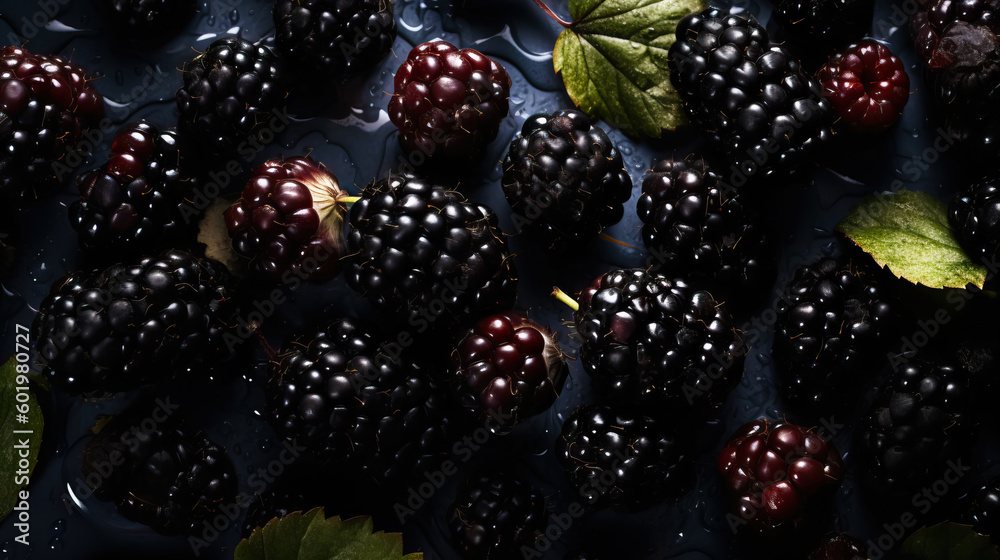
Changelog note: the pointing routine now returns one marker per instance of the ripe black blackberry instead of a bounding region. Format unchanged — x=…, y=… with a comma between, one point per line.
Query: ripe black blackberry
x=168, y=477
x=752, y=98
x=332, y=38
x=919, y=423
x=494, y=515
x=425, y=253
x=974, y=215
x=356, y=402
x=148, y=321
x=564, y=179
x=657, y=344
x=819, y=28
x=840, y=547
x=230, y=93
x=698, y=228
x=983, y=510
x=646, y=463
x=134, y=203
x=46, y=104
x=833, y=324
x=147, y=18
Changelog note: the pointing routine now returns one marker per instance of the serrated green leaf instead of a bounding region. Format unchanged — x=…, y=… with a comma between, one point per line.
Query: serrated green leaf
x=908, y=232
x=9, y=454
x=613, y=60
x=311, y=536
x=948, y=541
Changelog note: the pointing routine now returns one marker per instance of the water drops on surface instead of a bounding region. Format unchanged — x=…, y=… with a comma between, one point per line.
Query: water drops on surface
x=119, y=77
x=59, y=526
x=234, y=15
x=774, y=412
x=56, y=543
x=830, y=248
x=211, y=22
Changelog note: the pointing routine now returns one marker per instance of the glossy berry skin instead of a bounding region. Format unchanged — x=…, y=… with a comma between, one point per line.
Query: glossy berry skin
x=420, y=251
x=984, y=509
x=920, y=420
x=289, y=220
x=448, y=102
x=749, y=96
x=229, y=95
x=147, y=18
x=494, y=515
x=696, y=227
x=332, y=38
x=657, y=344
x=833, y=322
x=135, y=202
x=840, y=547
x=774, y=471
x=169, y=477
x=144, y=321
x=645, y=462
x=974, y=215
x=47, y=104
x=564, y=179
x=819, y=28
x=356, y=403
x=505, y=369
x=867, y=85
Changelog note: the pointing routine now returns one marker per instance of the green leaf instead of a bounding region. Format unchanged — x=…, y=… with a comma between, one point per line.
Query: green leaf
x=948, y=541
x=613, y=59
x=9, y=414
x=908, y=232
x=311, y=536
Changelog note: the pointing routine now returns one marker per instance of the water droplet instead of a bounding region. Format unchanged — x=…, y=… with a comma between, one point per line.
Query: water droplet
x=119, y=77
x=234, y=16
x=56, y=544
x=59, y=526
x=211, y=20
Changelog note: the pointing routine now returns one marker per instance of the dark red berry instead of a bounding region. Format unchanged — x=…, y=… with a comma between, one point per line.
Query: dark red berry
x=448, y=102
x=867, y=85
x=773, y=471
x=839, y=547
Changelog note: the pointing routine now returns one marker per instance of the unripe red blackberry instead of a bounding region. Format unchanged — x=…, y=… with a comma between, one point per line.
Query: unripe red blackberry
x=867, y=85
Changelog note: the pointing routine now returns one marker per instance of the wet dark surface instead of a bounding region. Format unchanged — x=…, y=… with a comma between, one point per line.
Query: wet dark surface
x=349, y=131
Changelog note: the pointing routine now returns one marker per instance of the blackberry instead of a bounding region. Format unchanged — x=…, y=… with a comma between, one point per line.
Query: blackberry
x=752, y=98
x=134, y=203
x=646, y=463
x=696, y=227
x=974, y=215
x=290, y=220
x=421, y=251
x=167, y=476
x=919, y=423
x=833, y=323
x=140, y=322
x=867, y=85
x=448, y=102
x=984, y=509
x=147, y=18
x=840, y=547
x=230, y=93
x=356, y=402
x=332, y=38
x=494, y=515
x=820, y=27
x=46, y=104
x=657, y=344
x=776, y=472
x=564, y=179
x=505, y=369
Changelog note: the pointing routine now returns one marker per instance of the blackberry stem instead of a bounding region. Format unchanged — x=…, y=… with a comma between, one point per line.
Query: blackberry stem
x=547, y=10
x=607, y=237
x=565, y=298
x=349, y=199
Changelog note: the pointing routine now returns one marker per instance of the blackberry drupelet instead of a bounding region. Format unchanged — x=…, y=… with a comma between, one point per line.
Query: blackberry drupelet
x=230, y=93
x=818, y=28
x=425, y=253
x=750, y=96
x=46, y=104
x=696, y=227
x=833, y=326
x=168, y=477
x=134, y=203
x=564, y=179
x=657, y=344
x=867, y=85
x=776, y=473
x=148, y=321
x=332, y=38
x=448, y=102
x=840, y=547
x=290, y=220
x=974, y=215
x=646, y=463
x=357, y=402
x=919, y=422
x=494, y=515
x=984, y=509
x=147, y=18
x=505, y=369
